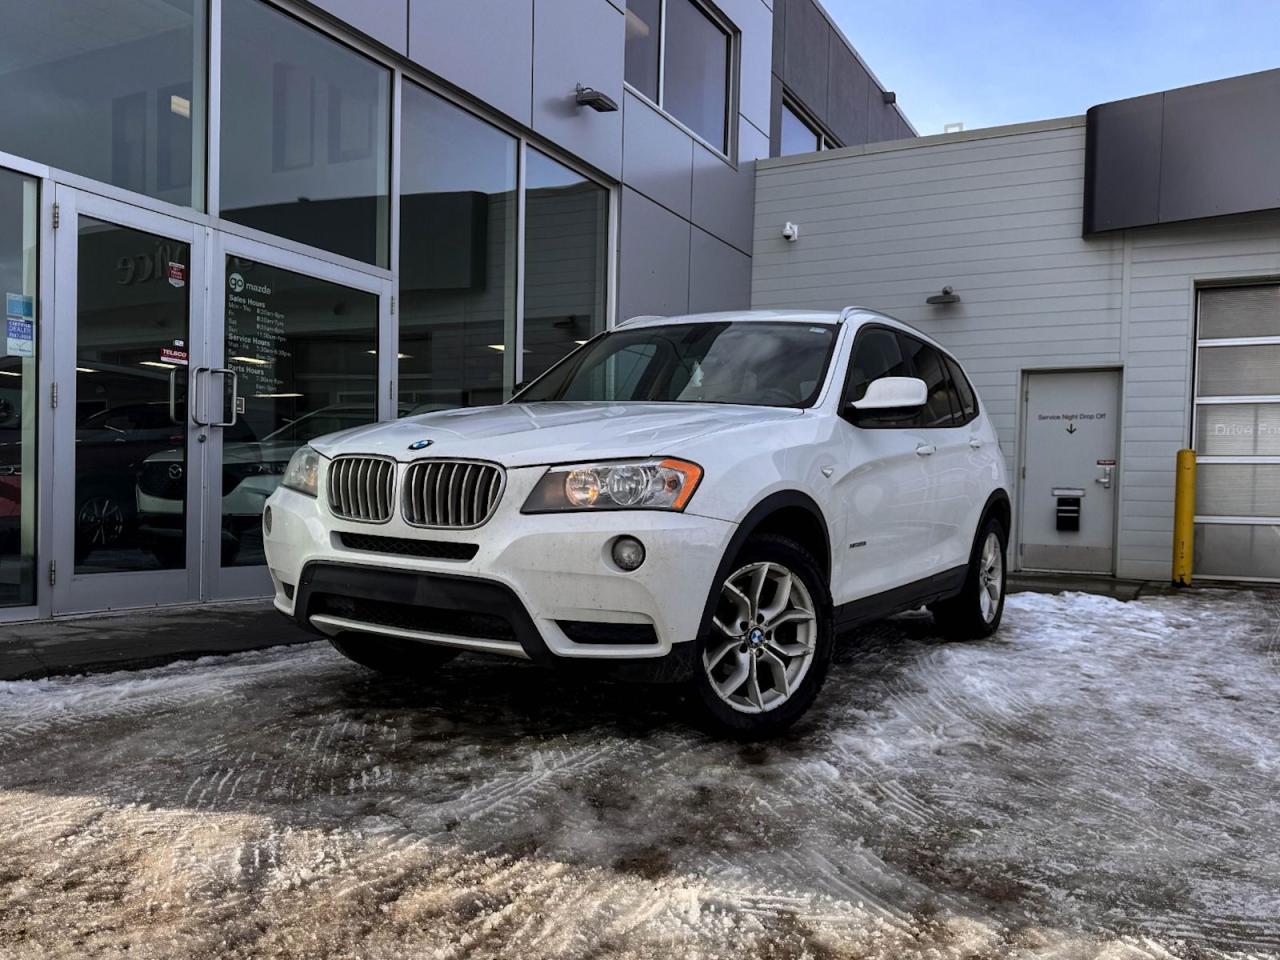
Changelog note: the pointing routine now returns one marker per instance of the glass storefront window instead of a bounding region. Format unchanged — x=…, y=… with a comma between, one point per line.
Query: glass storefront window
x=644, y=45
x=458, y=222
x=130, y=444
x=18, y=263
x=305, y=134
x=695, y=72
x=566, y=260
x=796, y=136
x=305, y=354
x=114, y=91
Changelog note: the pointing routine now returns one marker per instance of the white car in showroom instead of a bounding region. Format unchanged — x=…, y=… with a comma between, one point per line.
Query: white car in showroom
x=704, y=500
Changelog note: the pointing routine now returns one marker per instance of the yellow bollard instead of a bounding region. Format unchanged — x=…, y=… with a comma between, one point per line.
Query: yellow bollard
x=1184, y=512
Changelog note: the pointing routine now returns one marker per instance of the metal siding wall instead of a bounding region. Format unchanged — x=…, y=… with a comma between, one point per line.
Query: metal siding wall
x=818, y=69
x=683, y=179
x=998, y=217
x=385, y=21
x=523, y=59
x=579, y=41
x=482, y=46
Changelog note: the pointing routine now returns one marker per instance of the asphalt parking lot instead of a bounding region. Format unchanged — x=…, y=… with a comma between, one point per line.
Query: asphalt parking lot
x=1099, y=780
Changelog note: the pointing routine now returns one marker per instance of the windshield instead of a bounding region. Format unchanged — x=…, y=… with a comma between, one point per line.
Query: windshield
x=749, y=362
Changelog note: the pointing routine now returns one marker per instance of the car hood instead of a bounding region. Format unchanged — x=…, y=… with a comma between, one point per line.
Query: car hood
x=518, y=435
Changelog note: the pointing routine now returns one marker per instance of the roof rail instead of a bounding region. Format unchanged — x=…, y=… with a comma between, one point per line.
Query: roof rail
x=849, y=311
x=642, y=316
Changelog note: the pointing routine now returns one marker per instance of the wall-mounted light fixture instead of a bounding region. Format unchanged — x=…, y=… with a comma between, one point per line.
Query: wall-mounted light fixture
x=597, y=101
x=947, y=295
x=889, y=96
x=791, y=232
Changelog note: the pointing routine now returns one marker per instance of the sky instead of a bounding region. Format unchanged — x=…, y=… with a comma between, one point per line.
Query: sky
x=990, y=62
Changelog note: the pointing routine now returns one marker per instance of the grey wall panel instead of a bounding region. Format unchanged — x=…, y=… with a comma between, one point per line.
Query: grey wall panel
x=755, y=22
x=719, y=275
x=1213, y=149
x=657, y=156
x=384, y=21
x=653, y=258
x=775, y=118
x=779, y=35
x=849, y=86
x=1122, y=182
x=807, y=47
x=579, y=41
x=1221, y=149
x=723, y=196
x=483, y=46
x=882, y=118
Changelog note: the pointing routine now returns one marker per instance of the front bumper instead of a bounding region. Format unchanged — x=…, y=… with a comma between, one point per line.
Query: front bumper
x=537, y=575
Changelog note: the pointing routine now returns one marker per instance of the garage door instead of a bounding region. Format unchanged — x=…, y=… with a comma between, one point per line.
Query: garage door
x=1237, y=432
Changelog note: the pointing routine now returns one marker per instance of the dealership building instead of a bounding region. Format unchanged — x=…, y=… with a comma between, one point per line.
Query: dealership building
x=1112, y=284
x=227, y=226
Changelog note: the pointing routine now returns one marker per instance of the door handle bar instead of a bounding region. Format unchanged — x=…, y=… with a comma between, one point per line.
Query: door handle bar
x=173, y=397
x=195, y=396
x=925, y=449
x=235, y=396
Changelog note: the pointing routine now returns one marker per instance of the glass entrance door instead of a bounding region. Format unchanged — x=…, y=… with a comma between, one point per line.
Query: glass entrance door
x=300, y=340
x=128, y=473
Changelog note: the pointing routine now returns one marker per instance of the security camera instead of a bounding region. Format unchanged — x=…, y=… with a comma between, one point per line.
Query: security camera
x=791, y=232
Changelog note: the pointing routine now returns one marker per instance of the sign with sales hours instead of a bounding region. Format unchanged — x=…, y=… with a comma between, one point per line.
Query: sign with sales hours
x=256, y=338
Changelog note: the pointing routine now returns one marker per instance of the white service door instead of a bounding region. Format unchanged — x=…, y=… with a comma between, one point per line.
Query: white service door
x=1070, y=471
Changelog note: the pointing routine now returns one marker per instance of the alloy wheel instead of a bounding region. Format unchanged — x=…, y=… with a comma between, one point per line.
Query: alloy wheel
x=990, y=577
x=100, y=521
x=765, y=636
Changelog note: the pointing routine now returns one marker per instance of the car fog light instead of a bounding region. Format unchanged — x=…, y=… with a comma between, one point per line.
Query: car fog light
x=266, y=520
x=628, y=553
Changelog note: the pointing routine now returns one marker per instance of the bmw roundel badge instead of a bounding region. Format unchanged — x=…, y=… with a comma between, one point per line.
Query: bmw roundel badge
x=420, y=444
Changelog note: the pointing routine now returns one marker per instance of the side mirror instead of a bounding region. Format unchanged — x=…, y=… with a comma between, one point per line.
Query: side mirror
x=902, y=395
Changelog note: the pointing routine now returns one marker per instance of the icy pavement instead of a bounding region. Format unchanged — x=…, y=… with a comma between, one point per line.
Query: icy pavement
x=1099, y=780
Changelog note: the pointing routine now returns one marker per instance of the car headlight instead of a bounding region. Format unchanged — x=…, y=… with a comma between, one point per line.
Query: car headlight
x=303, y=472
x=655, y=484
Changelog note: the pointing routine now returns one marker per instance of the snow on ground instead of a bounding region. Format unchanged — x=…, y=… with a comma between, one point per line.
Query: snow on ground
x=1097, y=781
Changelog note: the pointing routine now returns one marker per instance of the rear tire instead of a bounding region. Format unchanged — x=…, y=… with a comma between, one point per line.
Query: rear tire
x=387, y=655
x=764, y=656
x=976, y=611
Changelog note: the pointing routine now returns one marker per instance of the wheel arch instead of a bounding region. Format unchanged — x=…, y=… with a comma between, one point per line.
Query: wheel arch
x=1000, y=506
x=788, y=513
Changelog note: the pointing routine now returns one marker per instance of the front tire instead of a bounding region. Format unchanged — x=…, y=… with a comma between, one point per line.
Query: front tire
x=976, y=611
x=390, y=656
x=764, y=656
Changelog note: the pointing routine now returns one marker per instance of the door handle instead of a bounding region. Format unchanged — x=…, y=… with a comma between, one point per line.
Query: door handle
x=193, y=396
x=975, y=442
x=173, y=397
x=235, y=397
x=1105, y=479
x=194, y=403
x=925, y=449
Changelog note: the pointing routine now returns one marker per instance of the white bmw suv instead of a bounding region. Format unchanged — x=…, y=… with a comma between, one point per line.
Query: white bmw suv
x=703, y=500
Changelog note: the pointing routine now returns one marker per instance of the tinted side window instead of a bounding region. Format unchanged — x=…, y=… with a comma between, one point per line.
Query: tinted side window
x=876, y=354
x=965, y=400
x=928, y=366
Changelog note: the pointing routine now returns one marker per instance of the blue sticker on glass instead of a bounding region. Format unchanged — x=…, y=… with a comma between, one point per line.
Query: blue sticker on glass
x=19, y=337
x=17, y=305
